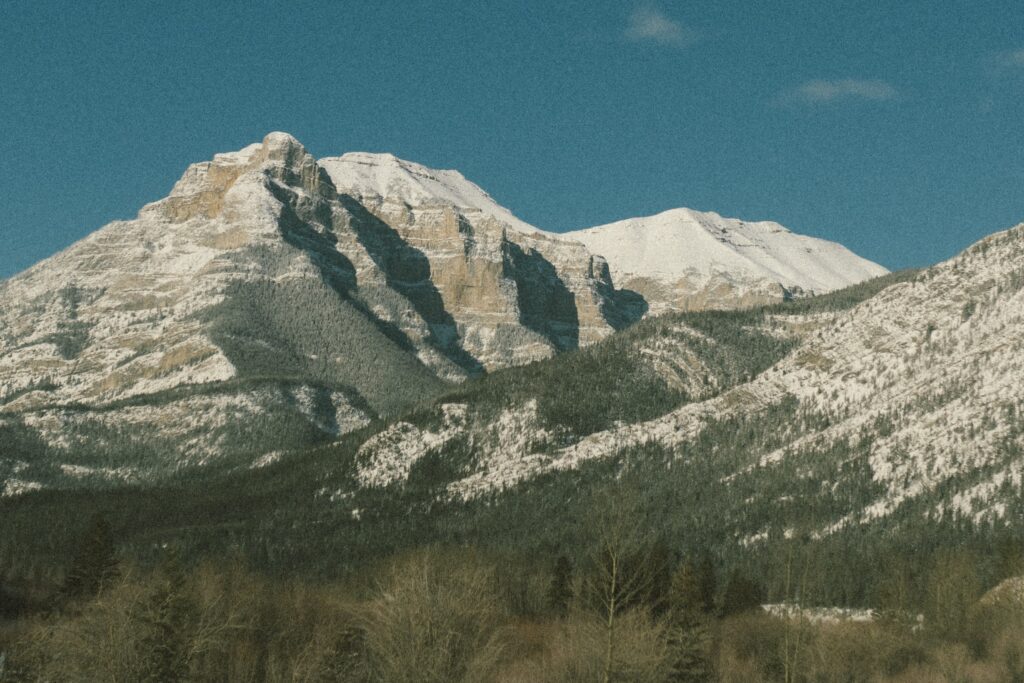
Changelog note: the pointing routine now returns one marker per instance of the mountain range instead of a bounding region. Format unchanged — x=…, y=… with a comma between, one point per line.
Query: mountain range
x=273, y=300
x=306, y=360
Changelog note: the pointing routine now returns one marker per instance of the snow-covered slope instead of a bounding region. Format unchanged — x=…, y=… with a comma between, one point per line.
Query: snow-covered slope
x=260, y=282
x=909, y=404
x=369, y=176
x=321, y=293
x=685, y=259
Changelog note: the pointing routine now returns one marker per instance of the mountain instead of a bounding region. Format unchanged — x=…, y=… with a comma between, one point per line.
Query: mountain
x=688, y=260
x=259, y=293
x=379, y=179
x=814, y=416
x=879, y=417
x=273, y=301
x=858, y=424
x=515, y=293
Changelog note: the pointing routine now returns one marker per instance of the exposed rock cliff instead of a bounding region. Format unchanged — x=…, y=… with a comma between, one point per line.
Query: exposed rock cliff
x=288, y=301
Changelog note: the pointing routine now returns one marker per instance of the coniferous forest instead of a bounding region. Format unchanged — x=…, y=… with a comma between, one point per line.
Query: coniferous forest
x=629, y=568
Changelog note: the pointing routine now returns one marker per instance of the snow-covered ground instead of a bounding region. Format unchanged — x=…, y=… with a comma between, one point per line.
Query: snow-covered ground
x=381, y=175
x=683, y=244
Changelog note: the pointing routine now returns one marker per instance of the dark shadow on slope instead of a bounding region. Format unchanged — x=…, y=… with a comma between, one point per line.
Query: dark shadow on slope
x=323, y=414
x=315, y=329
x=407, y=271
x=335, y=268
x=546, y=305
x=627, y=307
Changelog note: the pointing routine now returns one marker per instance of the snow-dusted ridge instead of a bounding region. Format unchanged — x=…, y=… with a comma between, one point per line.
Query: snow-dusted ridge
x=918, y=385
x=367, y=175
x=686, y=251
x=268, y=282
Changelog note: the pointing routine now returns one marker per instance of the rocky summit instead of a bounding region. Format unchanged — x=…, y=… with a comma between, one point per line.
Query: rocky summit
x=274, y=299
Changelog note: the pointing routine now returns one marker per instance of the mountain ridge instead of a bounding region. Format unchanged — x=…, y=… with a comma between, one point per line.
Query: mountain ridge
x=324, y=293
x=683, y=259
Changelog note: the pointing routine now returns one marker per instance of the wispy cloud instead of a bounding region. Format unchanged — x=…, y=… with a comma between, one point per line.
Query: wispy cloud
x=1012, y=58
x=651, y=25
x=824, y=91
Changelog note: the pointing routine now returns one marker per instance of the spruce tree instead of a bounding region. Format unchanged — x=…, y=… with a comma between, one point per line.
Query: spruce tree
x=560, y=591
x=708, y=584
x=659, y=561
x=686, y=604
x=741, y=595
x=95, y=564
x=689, y=637
x=691, y=653
x=167, y=616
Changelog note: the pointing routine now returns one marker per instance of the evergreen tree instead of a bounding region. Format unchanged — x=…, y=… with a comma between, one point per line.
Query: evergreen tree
x=560, y=591
x=167, y=617
x=10, y=606
x=952, y=587
x=741, y=595
x=686, y=604
x=691, y=654
x=689, y=639
x=659, y=560
x=708, y=584
x=95, y=564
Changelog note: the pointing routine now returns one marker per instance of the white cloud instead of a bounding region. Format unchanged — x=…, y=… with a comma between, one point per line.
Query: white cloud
x=1013, y=58
x=649, y=24
x=819, y=90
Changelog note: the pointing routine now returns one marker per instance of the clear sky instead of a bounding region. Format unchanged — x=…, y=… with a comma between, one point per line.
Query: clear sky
x=892, y=127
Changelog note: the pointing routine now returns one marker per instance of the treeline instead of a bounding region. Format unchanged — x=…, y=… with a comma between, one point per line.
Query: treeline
x=623, y=609
x=297, y=516
x=622, y=379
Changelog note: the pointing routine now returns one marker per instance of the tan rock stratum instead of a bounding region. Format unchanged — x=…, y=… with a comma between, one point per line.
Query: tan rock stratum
x=331, y=291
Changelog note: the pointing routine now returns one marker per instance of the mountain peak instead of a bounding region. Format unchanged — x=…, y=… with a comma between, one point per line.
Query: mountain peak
x=202, y=189
x=693, y=257
x=280, y=146
x=386, y=178
x=280, y=138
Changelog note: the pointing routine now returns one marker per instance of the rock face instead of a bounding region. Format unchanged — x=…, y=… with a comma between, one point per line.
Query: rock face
x=288, y=287
x=273, y=300
x=688, y=260
x=501, y=290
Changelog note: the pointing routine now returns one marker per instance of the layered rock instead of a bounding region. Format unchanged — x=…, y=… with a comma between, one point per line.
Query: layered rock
x=513, y=293
x=257, y=280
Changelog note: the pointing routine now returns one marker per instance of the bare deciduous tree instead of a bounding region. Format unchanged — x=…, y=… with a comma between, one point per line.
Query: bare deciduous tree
x=437, y=618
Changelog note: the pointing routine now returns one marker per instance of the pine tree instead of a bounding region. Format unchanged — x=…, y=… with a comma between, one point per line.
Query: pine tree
x=741, y=595
x=691, y=654
x=10, y=606
x=686, y=604
x=659, y=561
x=167, y=617
x=95, y=564
x=689, y=638
x=708, y=584
x=560, y=591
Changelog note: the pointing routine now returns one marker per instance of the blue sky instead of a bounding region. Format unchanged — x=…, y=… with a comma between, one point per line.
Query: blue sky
x=895, y=128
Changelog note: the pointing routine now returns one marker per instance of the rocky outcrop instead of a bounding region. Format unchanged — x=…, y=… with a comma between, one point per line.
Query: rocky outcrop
x=507, y=292
x=259, y=277
x=318, y=294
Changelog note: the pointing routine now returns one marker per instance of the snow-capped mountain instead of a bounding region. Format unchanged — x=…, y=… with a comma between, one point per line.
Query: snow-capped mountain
x=910, y=403
x=384, y=178
x=688, y=260
x=260, y=287
x=273, y=300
